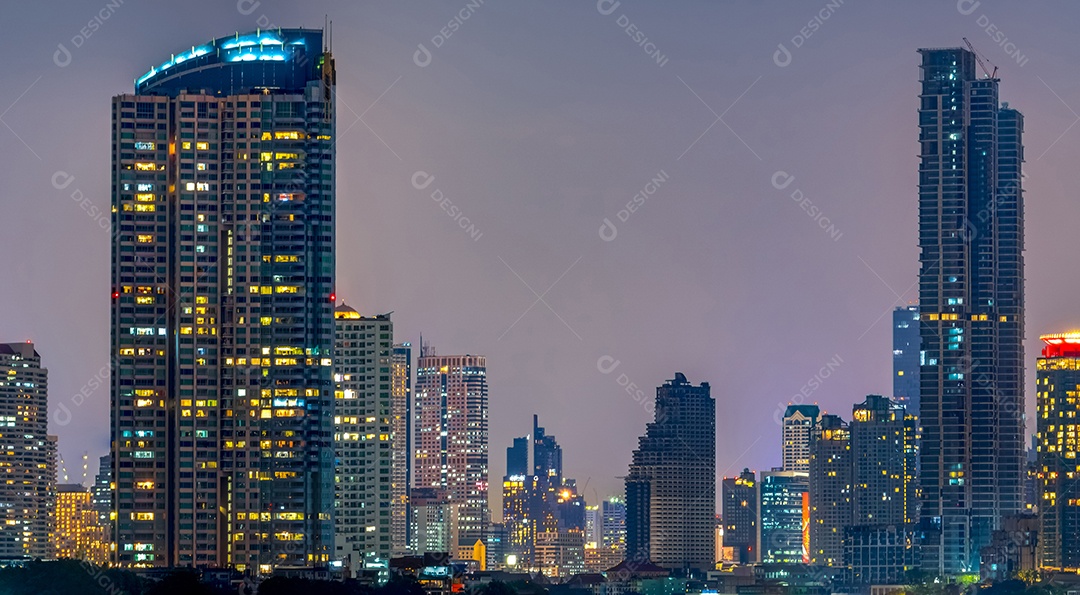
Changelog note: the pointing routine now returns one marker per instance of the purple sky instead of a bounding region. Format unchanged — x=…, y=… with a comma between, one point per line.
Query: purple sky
x=538, y=121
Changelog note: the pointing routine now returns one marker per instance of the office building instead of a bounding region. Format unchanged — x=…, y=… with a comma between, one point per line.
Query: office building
x=741, y=499
x=671, y=486
x=451, y=440
x=798, y=428
x=971, y=308
x=830, y=490
x=401, y=445
x=222, y=306
x=363, y=429
x=785, y=517
x=1057, y=427
x=28, y=494
x=906, y=355
x=79, y=535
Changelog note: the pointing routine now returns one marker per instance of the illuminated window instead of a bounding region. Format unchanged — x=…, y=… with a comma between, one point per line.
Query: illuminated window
x=145, y=197
x=202, y=146
x=142, y=516
x=145, y=146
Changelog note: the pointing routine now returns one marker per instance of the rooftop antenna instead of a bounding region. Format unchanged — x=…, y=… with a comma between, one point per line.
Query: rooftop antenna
x=980, y=58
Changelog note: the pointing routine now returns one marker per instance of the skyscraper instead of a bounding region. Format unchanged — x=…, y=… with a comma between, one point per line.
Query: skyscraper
x=741, y=500
x=363, y=429
x=798, y=428
x=28, y=492
x=971, y=302
x=222, y=306
x=671, y=486
x=906, y=353
x=830, y=490
x=785, y=517
x=1057, y=429
x=451, y=439
x=401, y=444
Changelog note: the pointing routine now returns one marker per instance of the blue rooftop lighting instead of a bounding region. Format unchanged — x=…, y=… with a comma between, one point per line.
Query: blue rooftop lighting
x=286, y=59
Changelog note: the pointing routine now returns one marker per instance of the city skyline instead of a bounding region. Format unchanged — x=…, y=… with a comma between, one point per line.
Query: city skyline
x=528, y=358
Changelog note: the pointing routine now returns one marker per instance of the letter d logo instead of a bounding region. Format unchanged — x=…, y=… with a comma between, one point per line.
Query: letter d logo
x=422, y=56
x=62, y=56
x=781, y=56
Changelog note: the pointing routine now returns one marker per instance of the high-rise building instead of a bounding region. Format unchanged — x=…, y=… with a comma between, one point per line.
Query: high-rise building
x=881, y=544
x=971, y=304
x=363, y=430
x=102, y=492
x=830, y=490
x=451, y=440
x=905, y=356
x=1057, y=429
x=102, y=499
x=495, y=543
x=517, y=457
x=222, y=306
x=671, y=486
x=547, y=454
x=434, y=520
x=884, y=450
x=401, y=445
x=612, y=543
x=741, y=499
x=785, y=517
x=28, y=492
x=798, y=428
x=79, y=535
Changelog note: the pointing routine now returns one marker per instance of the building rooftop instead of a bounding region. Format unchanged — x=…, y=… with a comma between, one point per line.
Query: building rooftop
x=274, y=59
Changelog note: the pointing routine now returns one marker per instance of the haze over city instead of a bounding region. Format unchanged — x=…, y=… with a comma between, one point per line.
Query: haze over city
x=594, y=196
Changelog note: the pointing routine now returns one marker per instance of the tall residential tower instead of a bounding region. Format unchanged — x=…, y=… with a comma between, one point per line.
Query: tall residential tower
x=971, y=301
x=363, y=431
x=451, y=441
x=28, y=492
x=799, y=425
x=222, y=306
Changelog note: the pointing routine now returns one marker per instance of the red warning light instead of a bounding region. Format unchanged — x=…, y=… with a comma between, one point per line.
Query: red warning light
x=115, y=294
x=333, y=298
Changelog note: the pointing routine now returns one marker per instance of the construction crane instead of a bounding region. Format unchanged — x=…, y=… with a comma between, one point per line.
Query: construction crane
x=980, y=58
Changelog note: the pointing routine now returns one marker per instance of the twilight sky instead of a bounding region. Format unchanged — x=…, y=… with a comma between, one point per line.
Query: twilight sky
x=537, y=121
